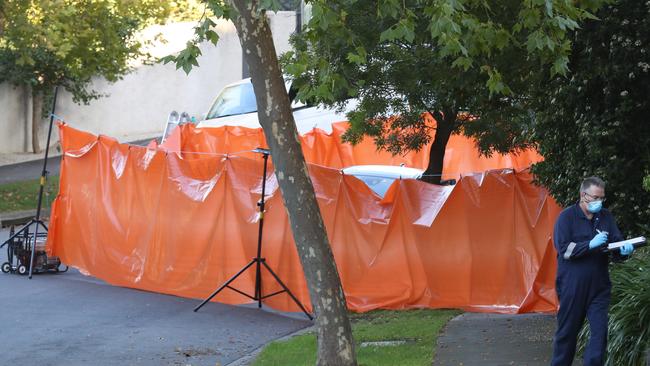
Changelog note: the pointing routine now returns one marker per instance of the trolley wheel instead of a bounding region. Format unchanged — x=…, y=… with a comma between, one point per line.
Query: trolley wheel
x=22, y=269
x=6, y=267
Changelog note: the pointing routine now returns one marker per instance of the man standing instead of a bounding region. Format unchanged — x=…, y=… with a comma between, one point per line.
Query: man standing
x=581, y=234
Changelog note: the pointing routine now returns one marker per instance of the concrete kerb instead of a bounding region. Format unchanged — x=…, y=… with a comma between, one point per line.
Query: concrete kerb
x=249, y=358
x=21, y=217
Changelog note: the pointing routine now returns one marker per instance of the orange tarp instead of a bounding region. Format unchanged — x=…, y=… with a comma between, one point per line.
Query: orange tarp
x=319, y=147
x=161, y=221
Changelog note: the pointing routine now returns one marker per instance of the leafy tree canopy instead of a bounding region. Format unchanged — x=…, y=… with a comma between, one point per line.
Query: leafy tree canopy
x=448, y=58
x=595, y=121
x=185, y=10
x=55, y=42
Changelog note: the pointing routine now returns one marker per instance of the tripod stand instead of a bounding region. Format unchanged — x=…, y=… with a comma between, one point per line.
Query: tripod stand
x=37, y=220
x=258, y=261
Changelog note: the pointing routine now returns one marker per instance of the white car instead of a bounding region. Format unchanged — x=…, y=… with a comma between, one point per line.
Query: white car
x=380, y=177
x=236, y=106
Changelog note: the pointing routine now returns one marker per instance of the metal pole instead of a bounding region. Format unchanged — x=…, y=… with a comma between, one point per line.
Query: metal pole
x=258, y=274
x=43, y=180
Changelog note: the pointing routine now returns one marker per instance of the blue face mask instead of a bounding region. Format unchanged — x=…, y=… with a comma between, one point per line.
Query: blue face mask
x=594, y=206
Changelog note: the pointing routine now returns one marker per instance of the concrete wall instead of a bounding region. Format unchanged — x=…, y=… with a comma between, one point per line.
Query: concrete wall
x=138, y=105
x=12, y=119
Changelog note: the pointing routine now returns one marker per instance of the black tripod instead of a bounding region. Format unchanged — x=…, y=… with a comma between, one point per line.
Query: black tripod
x=37, y=220
x=258, y=261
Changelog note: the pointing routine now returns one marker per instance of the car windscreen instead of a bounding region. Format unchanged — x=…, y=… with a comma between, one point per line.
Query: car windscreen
x=379, y=185
x=239, y=99
x=233, y=100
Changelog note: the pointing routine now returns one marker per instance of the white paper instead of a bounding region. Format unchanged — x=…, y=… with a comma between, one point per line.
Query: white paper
x=618, y=244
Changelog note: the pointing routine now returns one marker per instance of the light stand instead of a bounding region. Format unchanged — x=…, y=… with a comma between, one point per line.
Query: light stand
x=258, y=261
x=37, y=220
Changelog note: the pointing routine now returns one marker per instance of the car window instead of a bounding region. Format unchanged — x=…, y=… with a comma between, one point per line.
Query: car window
x=378, y=185
x=233, y=100
x=239, y=99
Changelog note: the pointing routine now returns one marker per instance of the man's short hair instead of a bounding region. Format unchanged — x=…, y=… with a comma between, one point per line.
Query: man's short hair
x=591, y=181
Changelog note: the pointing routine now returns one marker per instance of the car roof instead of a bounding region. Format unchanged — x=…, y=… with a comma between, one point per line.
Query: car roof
x=239, y=82
x=250, y=81
x=385, y=171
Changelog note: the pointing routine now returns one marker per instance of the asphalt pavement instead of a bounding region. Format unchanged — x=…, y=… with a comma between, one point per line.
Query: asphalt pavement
x=71, y=319
x=30, y=170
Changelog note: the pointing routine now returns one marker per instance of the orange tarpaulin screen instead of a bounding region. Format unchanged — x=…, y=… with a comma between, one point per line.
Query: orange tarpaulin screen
x=319, y=147
x=163, y=222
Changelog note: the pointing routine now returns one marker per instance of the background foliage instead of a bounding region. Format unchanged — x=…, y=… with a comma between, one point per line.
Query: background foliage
x=595, y=122
x=401, y=59
x=44, y=43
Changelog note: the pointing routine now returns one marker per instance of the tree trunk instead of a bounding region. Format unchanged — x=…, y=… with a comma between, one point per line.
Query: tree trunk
x=335, y=343
x=445, y=123
x=37, y=118
x=27, y=117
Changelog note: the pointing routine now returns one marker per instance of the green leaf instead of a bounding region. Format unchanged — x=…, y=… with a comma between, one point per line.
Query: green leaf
x=167, y=59
x=187, y=67
x=549, y=8
x=273, y=5
x=25, y=60
x=560, y=66
x=212, y=36
x=355, y=58
x=463, y=62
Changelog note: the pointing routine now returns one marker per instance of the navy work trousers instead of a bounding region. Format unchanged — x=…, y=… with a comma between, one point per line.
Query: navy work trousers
x=577, y=301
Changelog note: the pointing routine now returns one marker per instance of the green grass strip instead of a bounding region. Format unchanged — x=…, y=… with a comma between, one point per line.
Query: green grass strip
x=418, y=328
x=21, y=196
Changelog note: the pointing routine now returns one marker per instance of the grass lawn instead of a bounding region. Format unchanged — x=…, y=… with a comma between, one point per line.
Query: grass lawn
x=419, y=328
x=24, y=195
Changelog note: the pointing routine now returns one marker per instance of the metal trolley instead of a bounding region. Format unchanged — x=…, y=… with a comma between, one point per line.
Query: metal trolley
x=19, y=254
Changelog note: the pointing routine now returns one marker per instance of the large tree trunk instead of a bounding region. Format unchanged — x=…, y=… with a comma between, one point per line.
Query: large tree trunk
x=37, y=119
x=335, y=343
x=445, y=123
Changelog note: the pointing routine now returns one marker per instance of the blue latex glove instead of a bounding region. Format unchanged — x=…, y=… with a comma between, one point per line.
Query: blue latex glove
x=598, y=240
x=627, y=249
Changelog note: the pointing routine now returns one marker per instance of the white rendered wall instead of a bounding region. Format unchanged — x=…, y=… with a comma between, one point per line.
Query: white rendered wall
x=137, y=106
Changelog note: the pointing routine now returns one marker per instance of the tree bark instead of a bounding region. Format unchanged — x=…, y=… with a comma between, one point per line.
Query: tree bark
x=445, y=123
x=37, y=118
x=335, y=343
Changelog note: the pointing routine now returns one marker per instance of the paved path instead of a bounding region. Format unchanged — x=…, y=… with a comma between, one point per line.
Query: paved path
x=495, y=339
x=70, y=319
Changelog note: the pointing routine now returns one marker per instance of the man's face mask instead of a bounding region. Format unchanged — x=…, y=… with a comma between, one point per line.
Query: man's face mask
x=594, y=206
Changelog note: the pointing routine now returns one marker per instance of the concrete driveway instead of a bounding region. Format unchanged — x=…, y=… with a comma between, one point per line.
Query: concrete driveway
x=71, y=319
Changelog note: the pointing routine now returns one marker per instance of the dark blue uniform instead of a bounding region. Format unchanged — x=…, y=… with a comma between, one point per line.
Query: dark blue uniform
x=582, y=283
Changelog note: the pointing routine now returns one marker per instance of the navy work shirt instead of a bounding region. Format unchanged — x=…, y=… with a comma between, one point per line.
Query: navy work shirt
x=571, y=236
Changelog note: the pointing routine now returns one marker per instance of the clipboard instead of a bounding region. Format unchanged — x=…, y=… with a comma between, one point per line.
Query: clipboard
x=639, y=241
